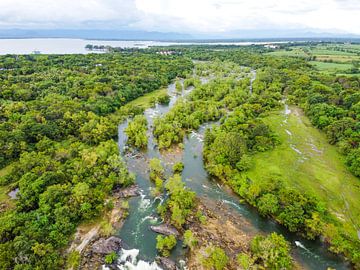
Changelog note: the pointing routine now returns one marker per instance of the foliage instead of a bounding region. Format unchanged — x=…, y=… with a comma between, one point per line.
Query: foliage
x=61, y=96
x=215, y=258
x=268, y=204
x=58, y=116
x=330, y=103
x=57, y=190
x=136, y=132
x=178, y=167
x=106, y=229
x=273, y=251
x=164, y=244
x=110, y=258
x=73, y=260
x=180, y=202
x=156, y=169
x=178, y=87
x=189, y=239
x=245, y=261
x=163, y=99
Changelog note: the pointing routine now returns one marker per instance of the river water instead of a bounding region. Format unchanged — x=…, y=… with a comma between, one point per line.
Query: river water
x=141, y=240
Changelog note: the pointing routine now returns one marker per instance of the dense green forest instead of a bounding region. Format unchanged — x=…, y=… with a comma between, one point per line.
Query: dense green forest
x=58, y=117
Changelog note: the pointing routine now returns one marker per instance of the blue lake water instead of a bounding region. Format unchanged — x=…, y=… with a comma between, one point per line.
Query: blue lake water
x=77, y=46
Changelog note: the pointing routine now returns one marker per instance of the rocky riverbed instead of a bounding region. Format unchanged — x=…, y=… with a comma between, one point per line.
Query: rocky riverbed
x=223, y=228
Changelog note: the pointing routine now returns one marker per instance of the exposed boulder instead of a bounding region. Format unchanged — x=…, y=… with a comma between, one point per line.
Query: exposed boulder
x=131, y=191
x=165, y=229
x=106, y=246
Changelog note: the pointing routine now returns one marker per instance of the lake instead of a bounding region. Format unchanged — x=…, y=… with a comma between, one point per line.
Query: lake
x=77, y=46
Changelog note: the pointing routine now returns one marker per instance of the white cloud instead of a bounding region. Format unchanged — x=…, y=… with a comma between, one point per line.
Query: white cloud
x=43, y=13
x=184, y=15
x=227, y=15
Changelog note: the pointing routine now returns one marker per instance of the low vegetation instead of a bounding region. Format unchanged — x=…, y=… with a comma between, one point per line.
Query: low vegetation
x=180, y=202
x=164, y=244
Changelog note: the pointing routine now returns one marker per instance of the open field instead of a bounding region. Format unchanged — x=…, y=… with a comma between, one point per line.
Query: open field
x=329, y=58
x=145, y=100
x=334, y=52
x=295, y=52
x=306, y=161
x=337, y=58
x=330, y=67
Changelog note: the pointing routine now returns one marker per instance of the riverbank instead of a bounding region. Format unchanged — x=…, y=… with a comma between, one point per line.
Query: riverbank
x=94, y=240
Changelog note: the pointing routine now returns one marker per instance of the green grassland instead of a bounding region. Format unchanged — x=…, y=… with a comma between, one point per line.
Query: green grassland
x=145, y=100
x=306, y=161
x=328, y=58
x=330, y=67
x=295, y=52
x=337, y=58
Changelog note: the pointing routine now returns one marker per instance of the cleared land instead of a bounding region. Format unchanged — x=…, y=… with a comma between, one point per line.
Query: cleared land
x=145, y=100
x=331, y=67
x=329, y=58
x=306, y=161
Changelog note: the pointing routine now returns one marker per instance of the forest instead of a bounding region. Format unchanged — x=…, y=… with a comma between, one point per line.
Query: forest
x=59, y=118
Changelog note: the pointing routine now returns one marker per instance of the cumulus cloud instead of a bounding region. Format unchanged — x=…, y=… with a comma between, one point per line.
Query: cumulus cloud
x=208, y=16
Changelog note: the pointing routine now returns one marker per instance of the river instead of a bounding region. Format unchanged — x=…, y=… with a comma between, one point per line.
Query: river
x=141, y=240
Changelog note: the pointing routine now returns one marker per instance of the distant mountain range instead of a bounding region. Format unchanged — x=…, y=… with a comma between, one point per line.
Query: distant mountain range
x=91, y=34
x=257, y=34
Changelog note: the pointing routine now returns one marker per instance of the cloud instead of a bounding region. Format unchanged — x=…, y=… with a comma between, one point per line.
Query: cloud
x=194, y=16
x=63, y=13
x=217, y=15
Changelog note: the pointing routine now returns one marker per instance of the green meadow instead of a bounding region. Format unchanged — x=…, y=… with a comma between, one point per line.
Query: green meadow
x=305, y=161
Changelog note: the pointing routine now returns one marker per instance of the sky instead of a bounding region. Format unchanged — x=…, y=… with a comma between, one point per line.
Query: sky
x=183, y=16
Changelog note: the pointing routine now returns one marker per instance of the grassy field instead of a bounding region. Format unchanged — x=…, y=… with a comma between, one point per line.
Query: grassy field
x=306, y=161
x=337, y=58
x=295, y=52
x=145, y=100
x=331, y=67
x=335, y=52
x=329, y=58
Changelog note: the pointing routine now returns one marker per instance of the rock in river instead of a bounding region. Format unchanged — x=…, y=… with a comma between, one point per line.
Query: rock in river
x=165, y=229
x=131, y=191
x=166, y=263
x=106, y=246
